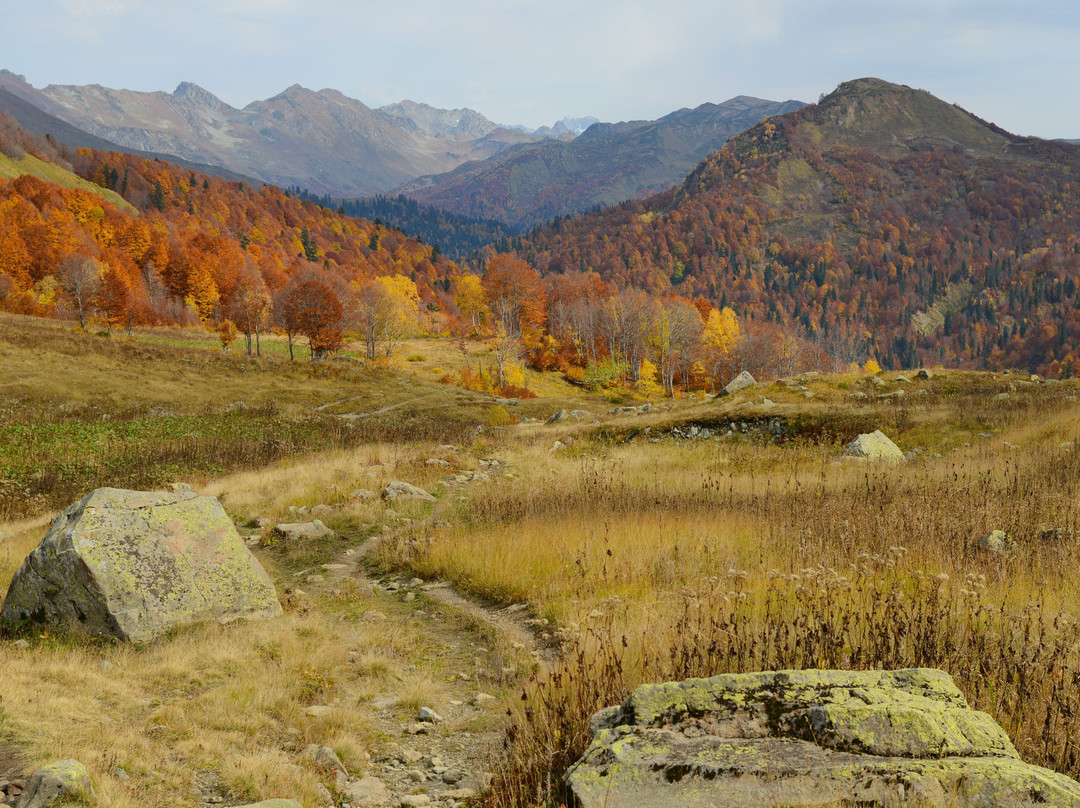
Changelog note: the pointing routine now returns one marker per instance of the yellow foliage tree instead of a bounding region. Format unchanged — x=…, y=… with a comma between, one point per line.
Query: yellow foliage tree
x=471, y=301
x=648, y=380
x=721, y=339
x=871, y=366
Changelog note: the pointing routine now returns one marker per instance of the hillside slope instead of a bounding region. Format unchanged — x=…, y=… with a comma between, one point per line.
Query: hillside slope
x=35, y=120
x=177, y=246
x=606, y=164
x=881, y=217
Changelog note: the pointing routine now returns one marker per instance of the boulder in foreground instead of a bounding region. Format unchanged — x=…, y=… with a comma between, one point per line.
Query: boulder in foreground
x=808, y=738
x=54, y=782
x=874, y=445
x=135, y=564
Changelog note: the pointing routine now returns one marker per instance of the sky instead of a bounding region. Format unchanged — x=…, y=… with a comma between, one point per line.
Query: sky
x=1013, y=62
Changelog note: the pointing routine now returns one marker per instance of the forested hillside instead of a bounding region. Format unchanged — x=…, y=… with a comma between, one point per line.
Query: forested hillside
x=881, y=218
x=454, y=235
x=193, y=248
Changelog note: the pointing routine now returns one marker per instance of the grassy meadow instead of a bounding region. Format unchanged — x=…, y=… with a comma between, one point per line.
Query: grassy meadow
x=649, y=554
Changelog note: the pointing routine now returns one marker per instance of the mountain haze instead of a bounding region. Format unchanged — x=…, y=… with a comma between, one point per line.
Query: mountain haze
x=606, y=164
x=882, y=217
x=323, y=141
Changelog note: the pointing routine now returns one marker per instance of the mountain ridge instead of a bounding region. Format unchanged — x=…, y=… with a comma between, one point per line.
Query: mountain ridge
x=322, y=140
x=881, y=216
x=608, y=163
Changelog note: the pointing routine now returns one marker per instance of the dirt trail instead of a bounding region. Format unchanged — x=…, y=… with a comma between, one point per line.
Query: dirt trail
x=483, y=649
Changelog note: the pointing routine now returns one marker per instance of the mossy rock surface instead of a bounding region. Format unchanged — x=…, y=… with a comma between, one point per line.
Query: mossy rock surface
x=876, y=446
x=872, y=738
x=134, y=564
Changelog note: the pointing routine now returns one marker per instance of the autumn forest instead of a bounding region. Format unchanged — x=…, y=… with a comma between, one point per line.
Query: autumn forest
x=800, y=244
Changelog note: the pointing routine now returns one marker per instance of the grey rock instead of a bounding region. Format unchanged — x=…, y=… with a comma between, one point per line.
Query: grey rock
x=808, y=738
x=134, y=564
x=415, y=801
x=428, y=715
x=924, y=374
x=54, y=782
x=327, y=760
x=367, y=792
x=557, y=416
x=436, y=461
x=997, y=542
x=276, y=803
x=874, y=446
x=740, y=382
x=396, y=489
x=363, y=493
x=303, y=531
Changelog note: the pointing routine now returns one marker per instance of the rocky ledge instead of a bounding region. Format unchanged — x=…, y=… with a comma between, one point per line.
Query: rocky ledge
x=807, y=738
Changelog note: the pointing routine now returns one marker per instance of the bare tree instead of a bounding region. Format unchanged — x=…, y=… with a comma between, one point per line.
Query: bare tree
x=80, y=277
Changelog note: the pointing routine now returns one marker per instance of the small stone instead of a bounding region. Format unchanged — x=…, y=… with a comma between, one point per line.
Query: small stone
x=411, y=756
x=428, y=715
x=373, y=616
x=481, y=699
x=924, y=374
x=363, y=493
x=409, y=597
x=415, y=801
x=557, y=416
x=452, y=776
x=318, y=711
x=996, y=542
x=415, y=582
x=327, y=760
x=436, y=461
x=367, y=792
x=303, y=531
x=397, y=489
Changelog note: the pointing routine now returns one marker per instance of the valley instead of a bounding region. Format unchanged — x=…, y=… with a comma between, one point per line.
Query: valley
x=774, y=403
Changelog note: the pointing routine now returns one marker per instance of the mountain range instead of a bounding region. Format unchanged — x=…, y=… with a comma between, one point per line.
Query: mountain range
x=608, y=163
x=334, y=146
x=322, y=141
x=880, y=218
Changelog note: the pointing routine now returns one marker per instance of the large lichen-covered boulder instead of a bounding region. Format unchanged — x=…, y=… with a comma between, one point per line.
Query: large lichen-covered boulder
x=54, y=782
x=134, y=564
x=874, y=445
x=807, y=738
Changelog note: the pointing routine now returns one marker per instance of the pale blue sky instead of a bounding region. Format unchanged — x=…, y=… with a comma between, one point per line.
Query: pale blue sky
x=531, y=62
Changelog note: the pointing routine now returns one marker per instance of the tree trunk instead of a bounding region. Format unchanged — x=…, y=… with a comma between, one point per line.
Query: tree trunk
x=291, y=357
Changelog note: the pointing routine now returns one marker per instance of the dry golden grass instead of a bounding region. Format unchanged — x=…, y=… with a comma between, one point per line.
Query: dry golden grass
x=674, y=559
x=655, y=560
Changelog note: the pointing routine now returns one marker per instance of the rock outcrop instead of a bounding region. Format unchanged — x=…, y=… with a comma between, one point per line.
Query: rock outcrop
x=874, y=445
x=134, y=564
x=808, y=738
x=54, y=782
